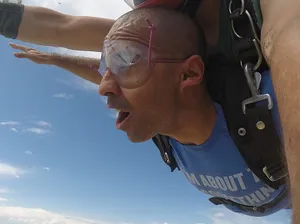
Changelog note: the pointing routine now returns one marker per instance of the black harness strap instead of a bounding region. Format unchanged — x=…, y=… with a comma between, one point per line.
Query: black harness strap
x=243, y=46
x=260, y=209
x=254, y=132
x=260, y=149
x=265, y=139
x=165, y=149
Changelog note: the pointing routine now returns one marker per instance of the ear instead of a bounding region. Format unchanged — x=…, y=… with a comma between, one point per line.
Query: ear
x=193, y=70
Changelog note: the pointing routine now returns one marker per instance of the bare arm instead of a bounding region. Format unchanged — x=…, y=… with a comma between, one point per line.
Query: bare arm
x=285, y=69
x=86, y=68
x=47, y=27
x=281, y=45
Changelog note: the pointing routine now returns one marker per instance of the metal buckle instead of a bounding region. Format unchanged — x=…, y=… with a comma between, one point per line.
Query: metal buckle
x=255, y=39
x=167, y=159
x=256, y=97
x=242, y=9
x=275, y=173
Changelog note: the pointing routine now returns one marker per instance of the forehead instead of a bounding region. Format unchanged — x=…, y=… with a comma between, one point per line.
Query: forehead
x=130, y=30
x=166, y=40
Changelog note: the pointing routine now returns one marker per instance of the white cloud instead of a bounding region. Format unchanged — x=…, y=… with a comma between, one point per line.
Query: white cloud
x=46, y=168
x=111, y=112
x=7, y=170
x=3, y=199
x=10, y=123
x=79, y=84
x=88, y=85
x=44, y=124
x=219, y=214
x=21, y=215
x=4, y=191
x=225, y=216
x=14, y=130
x=28, y=152
x=38, y=131
x=86, y=8
x=160, y=223
x=63, y=96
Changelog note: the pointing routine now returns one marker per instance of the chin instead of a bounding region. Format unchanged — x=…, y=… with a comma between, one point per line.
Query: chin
x=139, y=138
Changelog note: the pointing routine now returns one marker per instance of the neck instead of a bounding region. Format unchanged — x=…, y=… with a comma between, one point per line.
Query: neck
x=208, y=18
x=195, y=124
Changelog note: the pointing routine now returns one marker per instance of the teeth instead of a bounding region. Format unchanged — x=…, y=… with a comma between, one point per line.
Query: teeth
x=117, y=112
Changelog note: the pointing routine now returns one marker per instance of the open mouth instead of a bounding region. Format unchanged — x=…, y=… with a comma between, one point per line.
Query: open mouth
x=122, y=116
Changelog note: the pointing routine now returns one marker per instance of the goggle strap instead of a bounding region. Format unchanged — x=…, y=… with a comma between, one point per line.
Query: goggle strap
x=152, y=28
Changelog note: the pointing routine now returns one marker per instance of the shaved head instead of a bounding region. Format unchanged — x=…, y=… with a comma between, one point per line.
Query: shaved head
x=167, y=95
x=175, y=33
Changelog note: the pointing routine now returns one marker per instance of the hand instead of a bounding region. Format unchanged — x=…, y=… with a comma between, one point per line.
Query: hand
x=31, y=54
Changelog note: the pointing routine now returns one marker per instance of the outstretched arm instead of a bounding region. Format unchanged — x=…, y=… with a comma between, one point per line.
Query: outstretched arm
x=281, y=45
x=44, y=26
x=86, y=68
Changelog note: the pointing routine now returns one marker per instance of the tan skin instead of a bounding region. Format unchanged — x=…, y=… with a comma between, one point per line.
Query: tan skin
x=281, y=38
x=48, y=27
x=158, y=106
x=173, y=100
x=278, y=17
x=85, y=68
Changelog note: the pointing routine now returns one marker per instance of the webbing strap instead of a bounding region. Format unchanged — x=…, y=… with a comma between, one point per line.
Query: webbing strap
x=165, y=149
x=243, y=45
x=261, y=146
x=260, y=209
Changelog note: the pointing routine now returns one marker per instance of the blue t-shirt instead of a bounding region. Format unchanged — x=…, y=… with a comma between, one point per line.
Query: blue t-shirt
x=217, y=168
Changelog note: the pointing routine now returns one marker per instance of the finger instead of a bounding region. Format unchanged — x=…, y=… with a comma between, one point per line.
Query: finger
x=30, y=57
x=19, y=47
x=21, y=55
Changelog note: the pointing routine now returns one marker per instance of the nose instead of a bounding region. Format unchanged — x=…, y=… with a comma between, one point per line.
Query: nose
x=109, y=85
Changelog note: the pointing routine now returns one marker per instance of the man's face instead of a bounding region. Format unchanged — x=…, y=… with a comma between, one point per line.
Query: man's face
x=142, y=77
x=147, y=109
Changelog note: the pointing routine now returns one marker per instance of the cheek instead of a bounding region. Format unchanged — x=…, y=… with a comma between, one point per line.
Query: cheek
x=143, y=98
x=157, y=95
x=156, y=99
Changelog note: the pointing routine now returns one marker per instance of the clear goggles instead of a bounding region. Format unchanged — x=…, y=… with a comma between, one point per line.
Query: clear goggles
x=130, y=62
x=127, y=61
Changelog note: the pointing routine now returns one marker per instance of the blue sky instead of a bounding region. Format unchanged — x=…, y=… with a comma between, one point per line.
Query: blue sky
x=63, y=162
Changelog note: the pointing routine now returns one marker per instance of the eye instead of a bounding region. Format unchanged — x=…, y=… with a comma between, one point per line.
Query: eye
x=135, y=59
